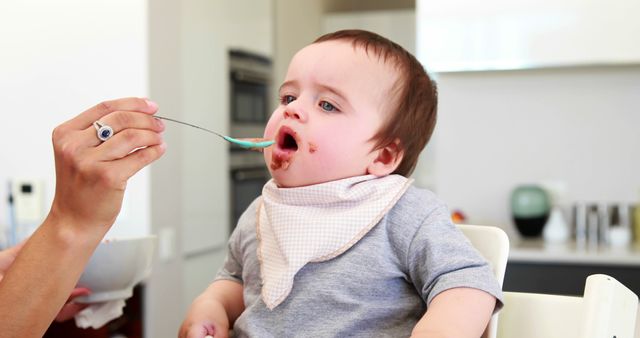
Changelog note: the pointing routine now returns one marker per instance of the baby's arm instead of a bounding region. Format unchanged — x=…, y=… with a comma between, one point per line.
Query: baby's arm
x=457, y=312
x=214, y=311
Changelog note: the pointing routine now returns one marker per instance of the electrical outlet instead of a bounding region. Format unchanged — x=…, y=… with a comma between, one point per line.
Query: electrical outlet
x=166, y=247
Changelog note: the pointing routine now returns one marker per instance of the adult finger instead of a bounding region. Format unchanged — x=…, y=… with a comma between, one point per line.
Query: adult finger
x=86, y=118
x=124, y=142
x=132, y=163
x=77, y=292
x=14, y=250
x=119, y=121
x=69, y=310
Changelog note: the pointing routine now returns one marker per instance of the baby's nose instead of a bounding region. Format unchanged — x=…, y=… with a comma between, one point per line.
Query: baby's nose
x=291, y=114
x=294, y=114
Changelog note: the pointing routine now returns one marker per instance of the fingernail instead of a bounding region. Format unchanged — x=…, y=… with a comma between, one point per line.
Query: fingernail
x=160, y=123
x=151, y=104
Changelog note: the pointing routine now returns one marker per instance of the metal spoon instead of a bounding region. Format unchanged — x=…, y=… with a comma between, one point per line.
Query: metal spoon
x=244, y=143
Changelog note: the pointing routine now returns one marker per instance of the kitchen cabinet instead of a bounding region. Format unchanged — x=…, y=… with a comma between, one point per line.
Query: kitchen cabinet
x=562, y=269
x=500, y=34
x=398, y=25
x=209, y=29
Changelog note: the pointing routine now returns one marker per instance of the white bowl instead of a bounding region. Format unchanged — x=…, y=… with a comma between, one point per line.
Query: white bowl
x=115, y=268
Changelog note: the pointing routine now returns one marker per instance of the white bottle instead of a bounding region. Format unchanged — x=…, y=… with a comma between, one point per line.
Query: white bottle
x=620, y=231
x=556, y=230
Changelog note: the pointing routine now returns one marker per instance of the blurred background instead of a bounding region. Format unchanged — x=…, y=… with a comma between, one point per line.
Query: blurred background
x=532, y=94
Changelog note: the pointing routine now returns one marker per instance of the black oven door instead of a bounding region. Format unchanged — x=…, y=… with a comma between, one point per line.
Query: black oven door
x=249, y=98
x=246, y=185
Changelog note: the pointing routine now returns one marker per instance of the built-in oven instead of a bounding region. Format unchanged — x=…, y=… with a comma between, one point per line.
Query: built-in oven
x=246, y=184
x=250, y=78
x=250, y=85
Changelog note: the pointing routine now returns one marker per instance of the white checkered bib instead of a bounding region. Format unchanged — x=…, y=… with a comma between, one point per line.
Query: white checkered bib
x=317, y=223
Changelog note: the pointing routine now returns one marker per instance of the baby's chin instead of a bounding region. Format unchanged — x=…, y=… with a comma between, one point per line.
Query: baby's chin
x=284, y=179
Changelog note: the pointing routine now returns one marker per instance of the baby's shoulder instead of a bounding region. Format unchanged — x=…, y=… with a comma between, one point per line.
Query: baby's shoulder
x=417, y=206
x=417, y=211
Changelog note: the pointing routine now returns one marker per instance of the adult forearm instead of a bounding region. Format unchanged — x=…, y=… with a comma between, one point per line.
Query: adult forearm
x=41, y=278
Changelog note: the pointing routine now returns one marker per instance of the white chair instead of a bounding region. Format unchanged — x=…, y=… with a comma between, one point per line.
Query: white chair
x=607, y=309
x=493, y=244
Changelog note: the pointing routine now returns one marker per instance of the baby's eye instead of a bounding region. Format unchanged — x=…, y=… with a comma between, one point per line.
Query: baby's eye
x=286, y=99
x=326, y=106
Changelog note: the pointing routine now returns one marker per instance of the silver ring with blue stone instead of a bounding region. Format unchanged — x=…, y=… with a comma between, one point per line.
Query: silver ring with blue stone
x=103, y=131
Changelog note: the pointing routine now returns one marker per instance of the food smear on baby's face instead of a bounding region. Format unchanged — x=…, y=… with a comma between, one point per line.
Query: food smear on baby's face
x=279, y=162
x=312, y=148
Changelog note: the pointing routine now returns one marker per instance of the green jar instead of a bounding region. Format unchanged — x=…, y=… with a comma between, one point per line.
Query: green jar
x=530, y=208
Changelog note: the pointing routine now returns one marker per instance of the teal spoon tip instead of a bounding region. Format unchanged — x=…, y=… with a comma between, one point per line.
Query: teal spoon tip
x=249, y=144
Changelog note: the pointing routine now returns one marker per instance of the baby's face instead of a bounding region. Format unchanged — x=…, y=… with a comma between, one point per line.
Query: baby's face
x=333, y=101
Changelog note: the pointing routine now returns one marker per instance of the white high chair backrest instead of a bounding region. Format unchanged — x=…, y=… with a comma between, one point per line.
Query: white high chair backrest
x=608, y=309
x=493, y=244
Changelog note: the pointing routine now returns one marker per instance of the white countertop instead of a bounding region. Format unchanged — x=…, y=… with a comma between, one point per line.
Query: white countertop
x=537, y=251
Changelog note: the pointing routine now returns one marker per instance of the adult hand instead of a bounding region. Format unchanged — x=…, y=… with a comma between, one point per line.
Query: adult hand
x=91, y=175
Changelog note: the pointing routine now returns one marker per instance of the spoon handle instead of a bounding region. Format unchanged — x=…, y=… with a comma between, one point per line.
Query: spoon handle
x=242, y=143
x=188, y=124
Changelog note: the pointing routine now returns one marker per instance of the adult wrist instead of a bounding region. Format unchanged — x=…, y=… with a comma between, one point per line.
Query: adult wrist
x=71, y=232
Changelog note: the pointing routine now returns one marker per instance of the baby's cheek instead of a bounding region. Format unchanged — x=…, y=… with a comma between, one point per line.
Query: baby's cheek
x=269, y=132
x=270, y=129
x=323, y=154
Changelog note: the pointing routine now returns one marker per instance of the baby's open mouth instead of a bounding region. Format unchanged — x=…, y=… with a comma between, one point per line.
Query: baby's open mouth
x=286, y=146
x=286, y=140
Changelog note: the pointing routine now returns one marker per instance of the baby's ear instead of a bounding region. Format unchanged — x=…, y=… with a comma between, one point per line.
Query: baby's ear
x=386, y=160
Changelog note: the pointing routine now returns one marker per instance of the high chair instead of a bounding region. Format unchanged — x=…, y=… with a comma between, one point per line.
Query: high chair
x=493, y=244
x=607, y=309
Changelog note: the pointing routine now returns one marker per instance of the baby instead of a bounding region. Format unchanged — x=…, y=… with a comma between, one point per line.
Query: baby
x=340, y=243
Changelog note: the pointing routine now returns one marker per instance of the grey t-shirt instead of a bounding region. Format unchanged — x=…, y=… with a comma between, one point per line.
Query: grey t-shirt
x=380, y=287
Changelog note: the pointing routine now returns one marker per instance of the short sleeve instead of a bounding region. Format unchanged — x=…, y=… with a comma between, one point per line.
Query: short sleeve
x=232, y=267
x=440, y=258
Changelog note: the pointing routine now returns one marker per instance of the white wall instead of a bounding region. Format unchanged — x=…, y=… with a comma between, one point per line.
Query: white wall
x=398, y=25
x=297, y=23
x=57, y=59
x=500, y=129
x=503, y=34
x=572, y=125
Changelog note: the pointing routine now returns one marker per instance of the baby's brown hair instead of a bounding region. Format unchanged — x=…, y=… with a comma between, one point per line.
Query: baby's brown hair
x=414, y=117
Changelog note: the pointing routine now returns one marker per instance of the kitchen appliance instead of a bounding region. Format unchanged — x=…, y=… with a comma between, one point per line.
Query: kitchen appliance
x=250, y=88
x=250, y=77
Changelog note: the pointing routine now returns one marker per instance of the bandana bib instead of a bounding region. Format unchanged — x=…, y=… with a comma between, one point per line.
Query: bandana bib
x=317, y=223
